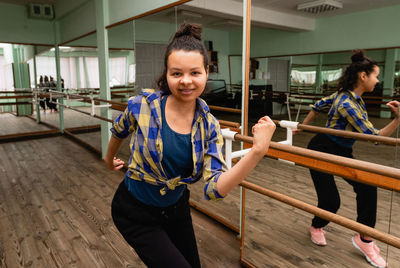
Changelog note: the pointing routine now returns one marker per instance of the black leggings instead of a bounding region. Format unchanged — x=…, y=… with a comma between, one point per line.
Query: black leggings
x=327, y=192
x=162, y=237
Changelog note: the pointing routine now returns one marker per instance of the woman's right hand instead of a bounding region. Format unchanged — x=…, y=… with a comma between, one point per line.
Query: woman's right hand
x=394, y=106
x=116, y=164
x=262, y=134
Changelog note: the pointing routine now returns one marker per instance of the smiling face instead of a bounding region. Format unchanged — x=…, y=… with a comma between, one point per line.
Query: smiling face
x=186, y=75
x=368, y=82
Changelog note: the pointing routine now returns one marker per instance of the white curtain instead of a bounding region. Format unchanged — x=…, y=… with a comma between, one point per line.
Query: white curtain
x=6, y=75
x=117, y=67
x=31, y=73
x=46, y=66
x=92, y=65
x=68, y=72
x=132, y=74
x=331, y=75
x=299, y=77
x=82, y=73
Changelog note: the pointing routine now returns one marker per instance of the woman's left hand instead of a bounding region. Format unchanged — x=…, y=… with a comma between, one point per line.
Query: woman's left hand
x=394, y=106
x=115, y=165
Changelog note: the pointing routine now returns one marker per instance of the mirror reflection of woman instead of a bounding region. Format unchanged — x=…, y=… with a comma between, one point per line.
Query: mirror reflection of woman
x=346, y=110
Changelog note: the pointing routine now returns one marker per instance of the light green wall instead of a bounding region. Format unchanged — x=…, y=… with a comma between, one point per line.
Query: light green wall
x=29, y=52
x=236, y=70
x=85, y=54
x=83, y=21
x=153, y=31
x=124, y=9
x=305, y=59
x=120, y=36
x=41, y=49
x=78, y=23
x=375, y=28
x=16, y=27
x=337, y=57
x=344, y=57
x=221, y=44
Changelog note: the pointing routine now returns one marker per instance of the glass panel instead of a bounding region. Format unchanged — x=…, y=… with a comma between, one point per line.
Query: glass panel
x=311, y=77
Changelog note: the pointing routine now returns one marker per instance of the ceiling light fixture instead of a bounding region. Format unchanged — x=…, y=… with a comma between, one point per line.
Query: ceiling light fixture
x=319, y=6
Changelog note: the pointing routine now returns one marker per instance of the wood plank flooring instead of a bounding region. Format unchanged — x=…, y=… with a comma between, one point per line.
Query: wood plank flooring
x=276, y=234
x=12, y=124
x=55, y=211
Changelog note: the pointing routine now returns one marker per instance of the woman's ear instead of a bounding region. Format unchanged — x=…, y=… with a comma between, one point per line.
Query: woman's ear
x=363, y=75
x=207, y=70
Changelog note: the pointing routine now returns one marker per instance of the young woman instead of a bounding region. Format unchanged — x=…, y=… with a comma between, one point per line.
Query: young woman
x=175, y=141
x=346, y=110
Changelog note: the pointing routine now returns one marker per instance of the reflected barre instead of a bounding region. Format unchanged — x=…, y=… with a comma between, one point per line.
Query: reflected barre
x=119, y=106
x=343, y=221
x=369, y=173
x=225, y=109
x=346, y=134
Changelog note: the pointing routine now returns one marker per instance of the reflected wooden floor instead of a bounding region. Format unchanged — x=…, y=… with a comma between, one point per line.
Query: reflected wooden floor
x=59, y=212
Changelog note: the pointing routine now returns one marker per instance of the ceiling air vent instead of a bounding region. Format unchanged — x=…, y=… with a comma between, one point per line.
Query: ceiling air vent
x=319, y=6
x=41, y=11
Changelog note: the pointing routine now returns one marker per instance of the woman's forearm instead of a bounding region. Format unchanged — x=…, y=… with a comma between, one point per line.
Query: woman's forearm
x=112, y=149
x=389, y=128
x=310, y=117
x=231, y=178
x=262, y=131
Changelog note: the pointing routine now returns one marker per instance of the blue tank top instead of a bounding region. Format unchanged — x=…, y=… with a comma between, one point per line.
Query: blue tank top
x=177, y=161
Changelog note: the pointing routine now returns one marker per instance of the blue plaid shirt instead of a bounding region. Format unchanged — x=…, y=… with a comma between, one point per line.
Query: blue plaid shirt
x=142, y=117
x=346, y=111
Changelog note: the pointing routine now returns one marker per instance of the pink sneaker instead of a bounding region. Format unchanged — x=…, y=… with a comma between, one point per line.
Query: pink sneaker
x=318, y=236
x=377, y=250
x=370, y=251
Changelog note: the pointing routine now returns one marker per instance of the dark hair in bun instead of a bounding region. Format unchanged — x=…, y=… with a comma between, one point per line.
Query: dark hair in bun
x=359, y=63
x=187, y=38
x=187, y=29
x=358, y=55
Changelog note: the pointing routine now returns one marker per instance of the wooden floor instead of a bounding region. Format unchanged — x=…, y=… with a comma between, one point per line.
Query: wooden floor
x=55, y=208
x=55, y=211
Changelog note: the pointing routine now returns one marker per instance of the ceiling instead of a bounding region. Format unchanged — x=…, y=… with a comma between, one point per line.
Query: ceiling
x=64, y=7
x=26, y=2
x=61, y=7
x=286, y=6
x=349, y=6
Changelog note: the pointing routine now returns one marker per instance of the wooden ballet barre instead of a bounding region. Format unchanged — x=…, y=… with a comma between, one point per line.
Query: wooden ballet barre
x=225, y=109
x=319, y=96
x=121, y=106
x=343, y=221
x=347, y=134
x=229, y=123
x=14, y=92
x=87, y=113
x=122, y=91
x=367, y=102
x=14, y=103
x=212, y=107
x=365, y=172
x=16, y=97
